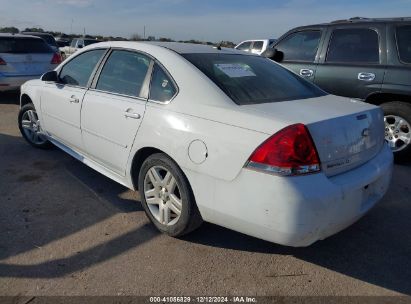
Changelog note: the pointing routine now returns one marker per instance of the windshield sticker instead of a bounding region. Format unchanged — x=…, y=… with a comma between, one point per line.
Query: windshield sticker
x=235, y=70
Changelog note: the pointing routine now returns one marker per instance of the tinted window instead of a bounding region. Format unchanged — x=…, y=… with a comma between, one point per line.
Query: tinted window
x=162, y=88
x=354, y=46
x=124, y=73
x=404, y=43
x=300, y=46
x=253, y=79
x=258, y=46
x=78, y=70
x=245, y=46
x=23, y=45
x=88, y=42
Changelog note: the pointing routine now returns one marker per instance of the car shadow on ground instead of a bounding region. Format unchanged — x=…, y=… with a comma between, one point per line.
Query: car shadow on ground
x=10, y=97
x=376, y=250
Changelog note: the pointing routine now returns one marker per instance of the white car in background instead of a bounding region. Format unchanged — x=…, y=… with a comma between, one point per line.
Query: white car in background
x=75, y=45
x=222, y=136
x=255, y=46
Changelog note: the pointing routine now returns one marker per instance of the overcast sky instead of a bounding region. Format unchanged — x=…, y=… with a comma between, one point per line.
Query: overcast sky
x=207, y=20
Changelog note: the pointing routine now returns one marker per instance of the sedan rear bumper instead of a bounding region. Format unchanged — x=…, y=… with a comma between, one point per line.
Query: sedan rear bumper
x=9, y=83
x=298, y=211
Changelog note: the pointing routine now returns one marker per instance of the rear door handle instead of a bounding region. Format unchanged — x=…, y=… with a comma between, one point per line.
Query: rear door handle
x=306, y=72
x=130, y=114
x=366, y=76
x=74, y=99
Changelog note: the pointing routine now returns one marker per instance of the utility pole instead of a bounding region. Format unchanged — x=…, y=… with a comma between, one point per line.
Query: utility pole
x=84, y=32
x=144, y=33
x=71, y=26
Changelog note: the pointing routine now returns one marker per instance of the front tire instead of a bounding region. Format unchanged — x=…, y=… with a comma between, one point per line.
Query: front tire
x=30, y=128
x=167, y=197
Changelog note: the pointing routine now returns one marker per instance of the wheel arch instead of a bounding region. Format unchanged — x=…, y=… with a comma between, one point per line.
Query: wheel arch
x=25, y=99
x=380, y=98
x=138, y=159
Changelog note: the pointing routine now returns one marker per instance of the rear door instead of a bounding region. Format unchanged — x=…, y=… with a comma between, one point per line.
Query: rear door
x=61, y=102
x=300, y=51
x=114, y=108
x=24, y=56
x=352, y=64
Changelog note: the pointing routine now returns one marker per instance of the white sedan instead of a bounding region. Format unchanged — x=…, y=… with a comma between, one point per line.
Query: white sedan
x=216, y=135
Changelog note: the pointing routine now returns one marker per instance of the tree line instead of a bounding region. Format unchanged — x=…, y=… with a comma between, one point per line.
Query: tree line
x=134, y=37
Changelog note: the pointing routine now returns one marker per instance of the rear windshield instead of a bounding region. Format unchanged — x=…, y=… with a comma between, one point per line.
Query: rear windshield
x=49, y=39
x=23, y=45
x=253, y=79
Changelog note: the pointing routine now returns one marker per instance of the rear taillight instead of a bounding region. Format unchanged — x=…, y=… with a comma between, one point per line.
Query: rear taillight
x=2, y=62
x=290, y=151
x=56, y=59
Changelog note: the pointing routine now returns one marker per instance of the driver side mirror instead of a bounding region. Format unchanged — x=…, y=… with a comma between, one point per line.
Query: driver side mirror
x=273, y=54
x=50, y=76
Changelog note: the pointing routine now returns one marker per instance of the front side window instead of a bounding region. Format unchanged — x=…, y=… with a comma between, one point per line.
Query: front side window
x=404, y=43
x=253, y=79
x=300, y=46
x=358, y=45
x=258, y=46
x=245, y=46
x=161, y=88
x=124, y=73
x=78, y=70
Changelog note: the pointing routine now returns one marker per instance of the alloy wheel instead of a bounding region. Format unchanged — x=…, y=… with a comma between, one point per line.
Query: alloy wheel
x=162, y=195
x=31, y=127
x=397, y=132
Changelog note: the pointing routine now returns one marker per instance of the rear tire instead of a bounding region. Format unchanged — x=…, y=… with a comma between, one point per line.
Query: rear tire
x=30, y=127
x=167, y=197
x=397, y=117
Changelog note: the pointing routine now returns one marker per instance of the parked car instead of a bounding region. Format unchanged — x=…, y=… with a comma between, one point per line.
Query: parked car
x=47, y=37
x=255, y=46
x=361, y=58
x=23, y=58
x=211, y=134
x=76, y=44
x=62, y=42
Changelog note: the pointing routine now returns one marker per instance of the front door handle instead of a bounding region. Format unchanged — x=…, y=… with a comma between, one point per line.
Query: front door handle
x=366, y=76
x=130, y=114
x=306, y=72
x=74, y=99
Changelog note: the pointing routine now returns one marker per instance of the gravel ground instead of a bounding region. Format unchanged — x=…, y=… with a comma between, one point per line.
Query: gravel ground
x=67, y=230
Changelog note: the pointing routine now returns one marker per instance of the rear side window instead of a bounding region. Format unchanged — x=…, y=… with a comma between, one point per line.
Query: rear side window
x=23, y=45
x=253, y=79
x=124, y=73
x=258, y=46
x=300, y=46
x=78, y=70
x=162, y=88
x=354, y=46
x=245, y=46
x=404, y=43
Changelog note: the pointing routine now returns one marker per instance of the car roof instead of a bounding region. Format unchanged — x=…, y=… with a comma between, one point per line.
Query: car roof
x=36, y=33
x=18, y=36
x=177, y=47
x=360, y=20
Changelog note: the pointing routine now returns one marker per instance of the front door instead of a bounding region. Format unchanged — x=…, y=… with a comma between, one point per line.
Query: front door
x=114, y=108
x=61, y=102
x=351, y=65
x=299, y=51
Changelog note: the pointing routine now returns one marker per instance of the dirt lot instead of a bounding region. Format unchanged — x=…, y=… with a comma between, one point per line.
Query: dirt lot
x=67, y=230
